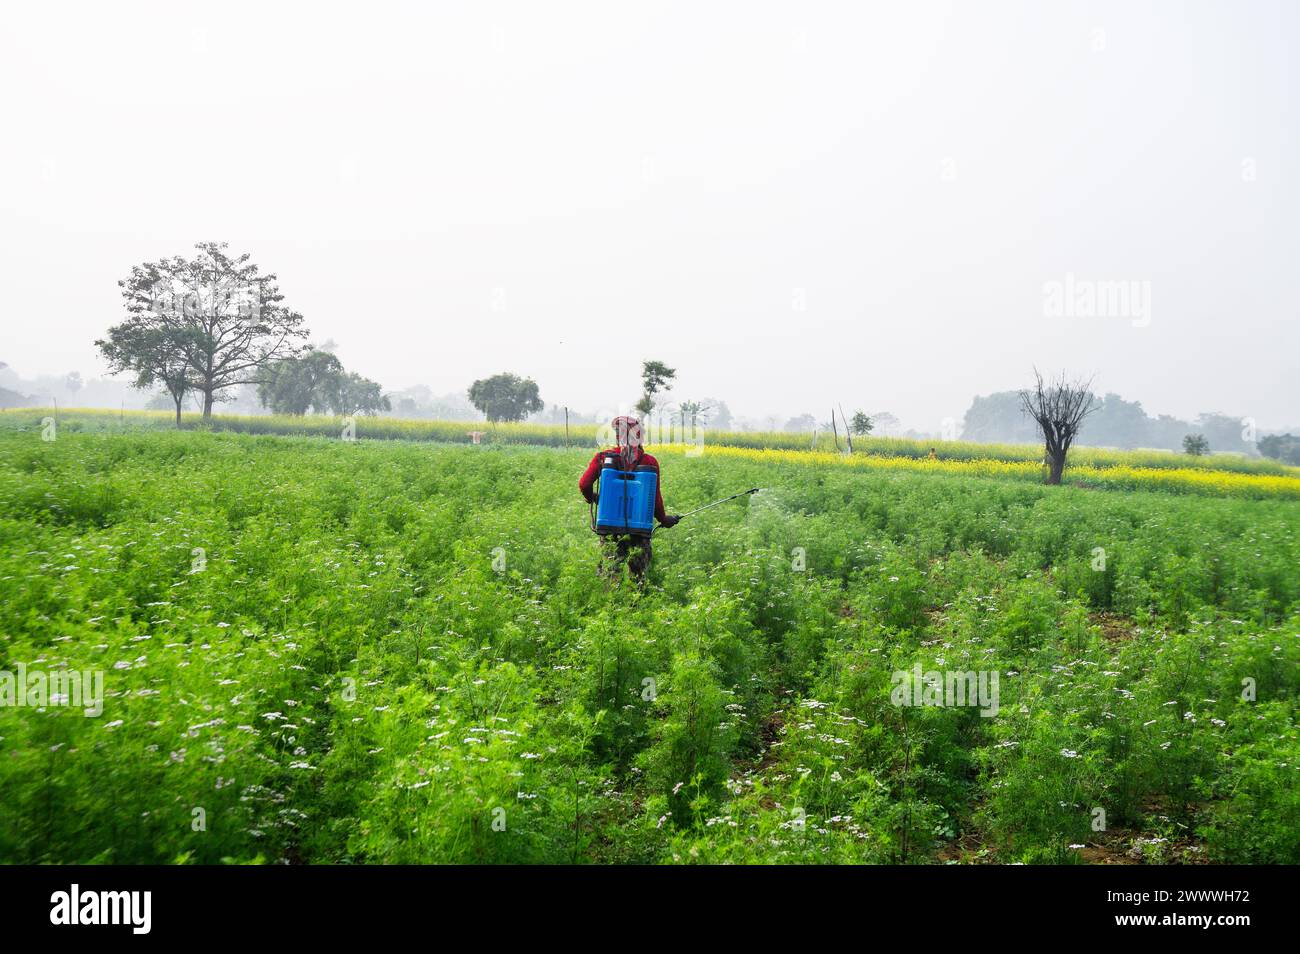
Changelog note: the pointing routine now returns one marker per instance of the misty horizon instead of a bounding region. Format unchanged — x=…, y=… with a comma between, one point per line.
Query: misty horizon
x=892, y=210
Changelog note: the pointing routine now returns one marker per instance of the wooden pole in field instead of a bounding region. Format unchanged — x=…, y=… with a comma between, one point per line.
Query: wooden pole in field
x=848, y=431
x=835, y=429
x=566, y=425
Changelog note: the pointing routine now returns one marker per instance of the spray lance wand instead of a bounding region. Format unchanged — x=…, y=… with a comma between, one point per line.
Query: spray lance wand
x=709, y=506
x=743, y=493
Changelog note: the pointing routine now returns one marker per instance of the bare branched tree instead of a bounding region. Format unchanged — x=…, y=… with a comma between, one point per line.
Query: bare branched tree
x=1059, y=408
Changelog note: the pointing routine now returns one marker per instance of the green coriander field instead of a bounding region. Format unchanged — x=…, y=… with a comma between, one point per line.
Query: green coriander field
x=317, y=651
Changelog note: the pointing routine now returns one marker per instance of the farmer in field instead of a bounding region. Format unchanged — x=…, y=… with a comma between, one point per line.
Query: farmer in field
x=617, y=548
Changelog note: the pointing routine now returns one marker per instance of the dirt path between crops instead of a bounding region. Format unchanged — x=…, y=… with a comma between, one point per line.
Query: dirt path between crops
x=1114, y=627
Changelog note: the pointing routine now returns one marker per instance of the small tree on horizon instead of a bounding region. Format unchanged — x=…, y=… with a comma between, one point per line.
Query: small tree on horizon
x=1197, y=445
x=884, y=420
x=861, y=423
x=694, y=413
x=655, y=378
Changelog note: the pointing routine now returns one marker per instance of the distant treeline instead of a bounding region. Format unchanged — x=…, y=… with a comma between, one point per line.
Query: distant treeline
x=1115, y=423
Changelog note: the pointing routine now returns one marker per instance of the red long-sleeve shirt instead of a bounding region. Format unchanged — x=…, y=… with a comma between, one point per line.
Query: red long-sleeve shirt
x=587, y=481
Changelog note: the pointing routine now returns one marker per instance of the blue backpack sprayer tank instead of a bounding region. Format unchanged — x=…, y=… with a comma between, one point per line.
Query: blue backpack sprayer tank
x=625, y=503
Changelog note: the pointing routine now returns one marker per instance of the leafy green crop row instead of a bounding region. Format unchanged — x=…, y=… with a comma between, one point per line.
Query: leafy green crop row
x=327, y=651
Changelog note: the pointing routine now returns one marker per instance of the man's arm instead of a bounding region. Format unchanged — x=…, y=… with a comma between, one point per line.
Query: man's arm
x=587, y=481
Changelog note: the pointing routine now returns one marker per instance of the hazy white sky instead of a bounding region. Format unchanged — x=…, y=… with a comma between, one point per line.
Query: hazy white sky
x=791, y=203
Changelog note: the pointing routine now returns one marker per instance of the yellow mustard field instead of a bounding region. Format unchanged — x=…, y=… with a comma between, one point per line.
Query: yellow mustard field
x=1120, y=477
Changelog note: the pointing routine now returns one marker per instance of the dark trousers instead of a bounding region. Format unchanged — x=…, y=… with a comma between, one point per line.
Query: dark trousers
x=617, y=550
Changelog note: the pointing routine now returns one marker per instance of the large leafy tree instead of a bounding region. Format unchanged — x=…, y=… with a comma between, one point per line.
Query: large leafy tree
x=225, y=316
x=506, y=397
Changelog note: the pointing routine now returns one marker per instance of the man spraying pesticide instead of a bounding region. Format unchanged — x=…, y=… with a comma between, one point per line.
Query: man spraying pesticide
x=628, y=501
